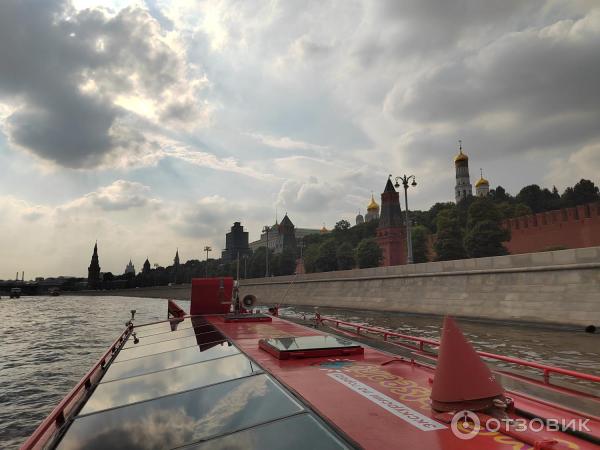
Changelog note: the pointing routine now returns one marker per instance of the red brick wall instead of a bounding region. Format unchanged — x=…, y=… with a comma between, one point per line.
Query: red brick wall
x=392, y=242
x=569, y=228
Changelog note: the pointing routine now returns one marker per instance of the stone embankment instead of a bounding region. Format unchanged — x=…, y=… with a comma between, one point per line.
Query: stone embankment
x=554, y=288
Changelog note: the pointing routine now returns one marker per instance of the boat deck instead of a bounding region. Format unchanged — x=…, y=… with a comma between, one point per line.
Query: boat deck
x=200, y=382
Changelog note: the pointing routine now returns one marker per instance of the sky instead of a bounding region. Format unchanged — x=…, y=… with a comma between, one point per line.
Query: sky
x=151, y=126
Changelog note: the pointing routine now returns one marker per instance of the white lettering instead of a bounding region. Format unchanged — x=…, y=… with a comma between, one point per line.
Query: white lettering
x=400, y=410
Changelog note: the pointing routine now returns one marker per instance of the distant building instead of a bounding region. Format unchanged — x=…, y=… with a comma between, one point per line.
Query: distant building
x=176, y=271
x=146, y=267
x=372, y=210
x=463, y=187
x=236, y=242
x=94, y=270
x=130, y=268
x=277, y=239
x=359, y=219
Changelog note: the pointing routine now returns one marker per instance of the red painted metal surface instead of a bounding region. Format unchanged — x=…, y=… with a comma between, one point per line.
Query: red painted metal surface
x=461, y=378
x=211, y=295
x=175, y=310
x=57, y=417
x=547, y=370
x=326, y=383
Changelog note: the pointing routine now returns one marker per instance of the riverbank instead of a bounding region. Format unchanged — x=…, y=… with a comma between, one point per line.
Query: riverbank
x=177, y=292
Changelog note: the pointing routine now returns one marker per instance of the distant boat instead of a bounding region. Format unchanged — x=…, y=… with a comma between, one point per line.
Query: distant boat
x=54, y=292
x=15, y=293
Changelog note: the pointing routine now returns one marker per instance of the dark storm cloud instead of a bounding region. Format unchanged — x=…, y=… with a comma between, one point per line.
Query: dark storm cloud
x=533, y=89
x=50, y=52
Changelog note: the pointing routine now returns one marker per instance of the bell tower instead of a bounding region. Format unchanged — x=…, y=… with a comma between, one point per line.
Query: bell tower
x=463, y=188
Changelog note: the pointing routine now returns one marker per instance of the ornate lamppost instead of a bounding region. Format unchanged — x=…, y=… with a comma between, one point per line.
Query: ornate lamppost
x=405, y=182
x=207, y=249
x=266, y=229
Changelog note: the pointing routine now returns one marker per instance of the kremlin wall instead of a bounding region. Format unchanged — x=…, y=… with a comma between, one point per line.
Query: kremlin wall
x=564, y=228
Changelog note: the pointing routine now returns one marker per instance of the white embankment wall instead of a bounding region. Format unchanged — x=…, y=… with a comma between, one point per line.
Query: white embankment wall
x=559, y=287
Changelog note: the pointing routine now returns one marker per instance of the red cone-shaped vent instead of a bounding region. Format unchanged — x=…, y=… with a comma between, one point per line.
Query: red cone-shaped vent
x=462, y=380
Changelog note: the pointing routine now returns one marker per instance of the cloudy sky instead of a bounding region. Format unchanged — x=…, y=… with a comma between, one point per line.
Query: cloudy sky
x=154, y=125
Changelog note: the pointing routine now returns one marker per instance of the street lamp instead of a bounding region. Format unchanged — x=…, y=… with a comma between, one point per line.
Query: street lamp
x=266, y=229
x=207, y=249
x=405, y=181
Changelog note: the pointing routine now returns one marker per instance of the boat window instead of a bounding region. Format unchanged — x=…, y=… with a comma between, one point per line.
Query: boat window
x=294, y=433
x=169, y=345
x=183, y=418
x=144, y=387
x=153, y=338
x=169, y=360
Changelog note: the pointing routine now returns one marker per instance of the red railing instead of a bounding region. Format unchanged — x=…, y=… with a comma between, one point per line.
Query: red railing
x=546, y=369
x=59, y=414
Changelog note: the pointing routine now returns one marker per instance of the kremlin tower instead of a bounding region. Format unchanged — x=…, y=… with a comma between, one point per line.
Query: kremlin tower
x=463, y=188
x=391, y=235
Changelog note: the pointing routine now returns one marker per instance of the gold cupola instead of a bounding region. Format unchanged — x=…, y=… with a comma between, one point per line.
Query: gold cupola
x=373, y=205
x=461, y=156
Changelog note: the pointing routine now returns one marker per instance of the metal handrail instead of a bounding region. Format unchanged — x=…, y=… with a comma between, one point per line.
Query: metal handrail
x=57, y=416
x=546, y=369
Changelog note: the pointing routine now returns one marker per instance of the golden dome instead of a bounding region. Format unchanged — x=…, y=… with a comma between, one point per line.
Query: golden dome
x=461, y=157
x=481, y=182
x=324, y=230
x=373, y=205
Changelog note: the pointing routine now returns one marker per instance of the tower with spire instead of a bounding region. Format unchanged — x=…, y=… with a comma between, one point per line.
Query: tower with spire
x=391, y=235
x=176, y=272
x=130, y=268
x=94, y=270
x=463, y=188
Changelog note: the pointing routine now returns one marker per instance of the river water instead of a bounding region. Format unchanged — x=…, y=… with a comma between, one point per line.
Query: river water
x=48, y=343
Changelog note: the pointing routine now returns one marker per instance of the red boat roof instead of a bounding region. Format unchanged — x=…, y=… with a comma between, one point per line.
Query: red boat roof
x=204, y=382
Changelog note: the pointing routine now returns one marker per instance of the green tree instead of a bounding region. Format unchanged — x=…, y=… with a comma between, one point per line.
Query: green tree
x=257, y=263
x=485, y=235
x=345, y=257
x=483, y=208
x=327, y=259
x=500, y=195
x=434, y=211
x=449, y=242
x=585, y=191
x=485, y=238
x=311, y=253
x=342, y=225
x=368, y=253
x=521, y=209
x=286, y=263
x=420, y=239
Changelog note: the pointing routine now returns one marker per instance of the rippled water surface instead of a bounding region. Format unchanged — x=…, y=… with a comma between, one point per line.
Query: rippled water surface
x=48, y=343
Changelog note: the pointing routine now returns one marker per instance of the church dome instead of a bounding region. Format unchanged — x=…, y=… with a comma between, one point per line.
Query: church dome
x=373, y=205
x=461, y=157
x=482, y=182
x=324, y=229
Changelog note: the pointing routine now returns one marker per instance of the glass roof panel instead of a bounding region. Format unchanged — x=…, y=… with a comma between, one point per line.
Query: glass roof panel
x=173, y=324
x=153, y=338
x=182, y=418
x=309, y=342
x=299, y=432
x=145, y=387
x=168, y=360
x=165, y=346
